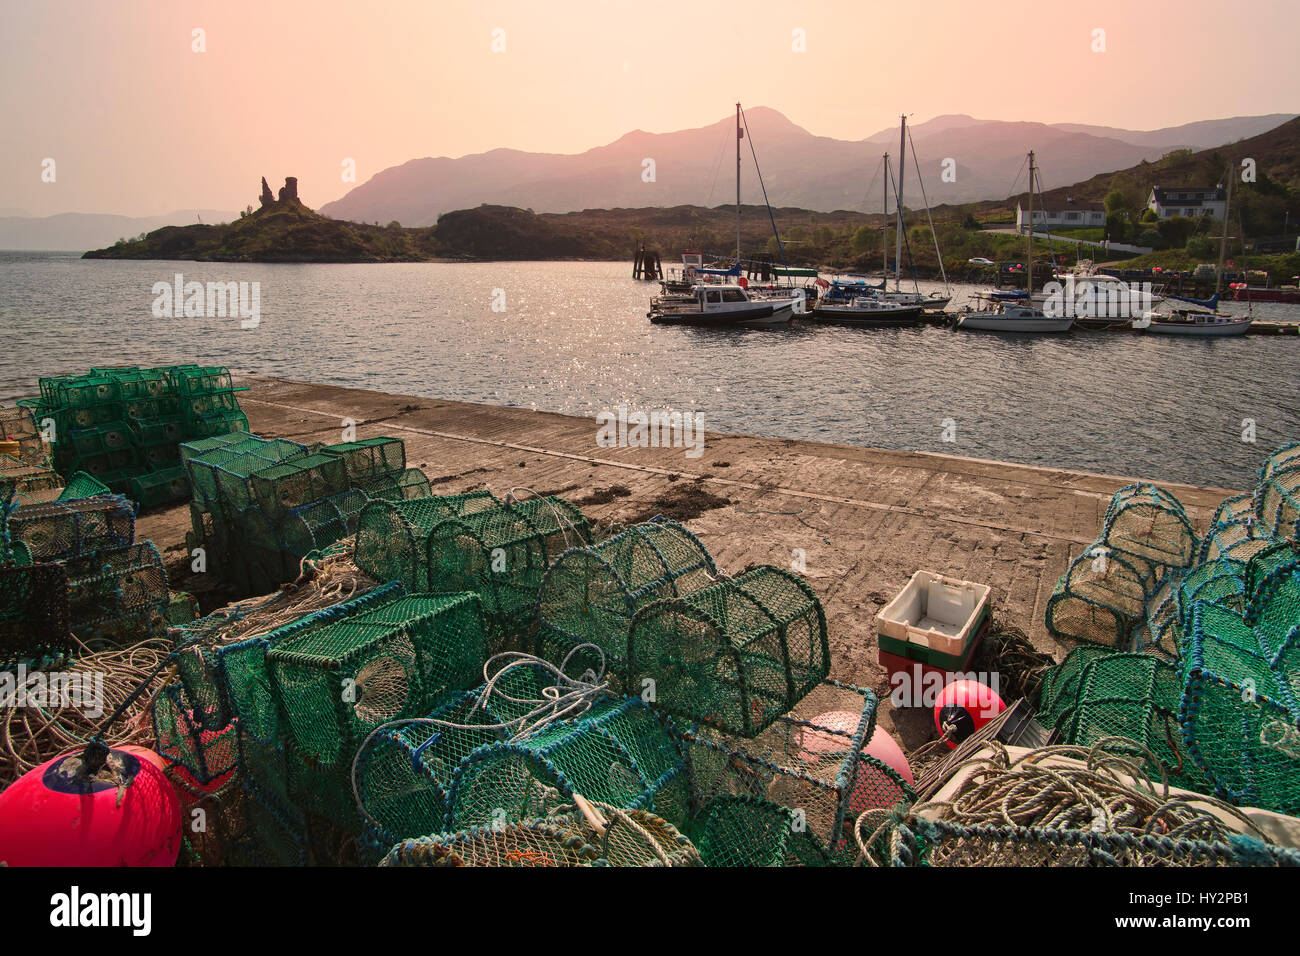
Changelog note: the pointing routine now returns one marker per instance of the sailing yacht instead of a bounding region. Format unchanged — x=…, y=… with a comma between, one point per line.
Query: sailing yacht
x=1200, y=321
x=713, y=304
x=1012, y=316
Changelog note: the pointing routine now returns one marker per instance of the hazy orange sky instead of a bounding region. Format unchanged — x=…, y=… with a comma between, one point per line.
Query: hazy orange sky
x=140, y=124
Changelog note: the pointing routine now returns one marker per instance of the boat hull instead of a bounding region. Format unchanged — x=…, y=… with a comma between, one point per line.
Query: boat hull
x=1188, y=328
x=867, y=318
x=763, y=316
x=1000, y=323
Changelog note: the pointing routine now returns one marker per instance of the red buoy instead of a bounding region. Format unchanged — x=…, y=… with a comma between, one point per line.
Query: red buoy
x=965, y=706
x=58, y=814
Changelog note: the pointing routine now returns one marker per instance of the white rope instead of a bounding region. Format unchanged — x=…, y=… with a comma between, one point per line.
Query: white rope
x=566, y=699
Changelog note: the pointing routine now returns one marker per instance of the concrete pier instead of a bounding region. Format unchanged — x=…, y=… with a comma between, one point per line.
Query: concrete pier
x=864, y=519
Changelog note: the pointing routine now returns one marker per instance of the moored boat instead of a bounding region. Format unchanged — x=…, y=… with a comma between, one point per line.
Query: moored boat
x=722, y=306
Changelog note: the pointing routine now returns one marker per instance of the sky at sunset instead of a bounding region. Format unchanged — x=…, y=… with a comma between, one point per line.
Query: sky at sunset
x=138, y=123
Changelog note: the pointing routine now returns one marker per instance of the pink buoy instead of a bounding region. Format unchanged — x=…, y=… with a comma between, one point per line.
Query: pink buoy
x=881, y=745
x=128, y=814
x=967, y=705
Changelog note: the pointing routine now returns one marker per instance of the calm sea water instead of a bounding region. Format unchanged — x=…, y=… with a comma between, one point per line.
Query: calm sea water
x=574, y=338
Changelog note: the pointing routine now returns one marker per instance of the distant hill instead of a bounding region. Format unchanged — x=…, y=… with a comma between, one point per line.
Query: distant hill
x=693, y=167
x=284, y=231
x=75, y=232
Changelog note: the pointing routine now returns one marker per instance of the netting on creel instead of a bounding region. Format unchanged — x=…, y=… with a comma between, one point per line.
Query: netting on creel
x=1149, y=526
x=81, y=485
x=400, y=486
x=1066, y=806
x=735, y=655
x=566, y=838
x=18, y=424
x=57, y=530
x=205, y=754
x=34, y=615
x=1277, y=496
x=748, y=831
x=27, y=482
x=590, y=595
x=337, y=681
x=482, y=760
x=502, y=554
x=1272, y=593
x=1099, y=599
x=279, y=488
x=370, y=457
x=123, y=585
x=316, y=526
x=1159, y=632
x=392, y=536
x=1240, y=719
x=1135, y=696
x=330, y=581
x=1235, y=532
x=811, y=760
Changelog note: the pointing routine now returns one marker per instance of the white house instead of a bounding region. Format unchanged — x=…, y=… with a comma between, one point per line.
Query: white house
x=1187, y=201
x=1066, y=215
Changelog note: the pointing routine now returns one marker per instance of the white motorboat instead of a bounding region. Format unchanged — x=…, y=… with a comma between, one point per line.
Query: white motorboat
x=723, y=306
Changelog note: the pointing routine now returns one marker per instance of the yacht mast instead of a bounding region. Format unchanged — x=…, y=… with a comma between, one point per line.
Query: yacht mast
x=1223, y=242
x=739, y=136
x=884, y=221
x=902, y=165
x=1029, y=257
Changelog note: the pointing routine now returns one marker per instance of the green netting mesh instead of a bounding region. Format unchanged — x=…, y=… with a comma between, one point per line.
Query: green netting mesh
x=56, y=530
x=1061, y=684
x=1149, y=526
x=1239, y=715
x=502, y=553
x=1131, y=695
x=590, y=595
x=25, y=480
x=123, y=425
x=400, y=486
x=735, y=655
x=1099, y=599
x=245, y=689
x=631, y=838
x=370, y=457
x=748, y=831
x=810, y=761
x=1160, y=632
x=1235, y=532
x=1278, y=500
x=339, y=680
x=1220, y=581
x=280, y=488
x=82, y=485
x=455, y=770
x=315, y=526
x=392, y=536
x=128, y=582
x=34, y=615
x=181, y=738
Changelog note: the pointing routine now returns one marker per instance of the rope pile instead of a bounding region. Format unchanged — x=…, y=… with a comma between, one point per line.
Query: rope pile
x=31, y=735
x=1034, y=810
